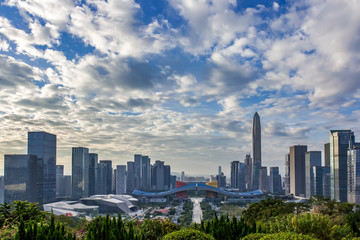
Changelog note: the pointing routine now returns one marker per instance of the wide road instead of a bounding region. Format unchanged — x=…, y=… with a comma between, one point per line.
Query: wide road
x=197, y=212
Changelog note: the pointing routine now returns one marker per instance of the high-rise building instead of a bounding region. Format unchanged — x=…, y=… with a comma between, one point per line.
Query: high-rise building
x=21, y=178
x=108, y=178
x=167, y=177
x=353, y=157
x=297, y=170
x=256, y=151
x=130, y=179
x=120, y=179
x=1, y=189
x=158, y=175
x=275, y=180
x=312, y=158
x=287, y=174
x=93, y=162
x=80, y=172
x=339, y=142
x=247, y=171
x=263, y=179
x=182, y=176
x=327, y=154
x=137, y=171
x=145, y=173
x=173, y=182
x=321, y=181
x=234, y=176
x=43, y=145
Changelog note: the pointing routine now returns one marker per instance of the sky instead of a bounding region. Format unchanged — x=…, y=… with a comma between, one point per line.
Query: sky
x=178, y=80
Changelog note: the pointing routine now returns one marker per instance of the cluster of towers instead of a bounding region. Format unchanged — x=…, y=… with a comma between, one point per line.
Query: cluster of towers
x=251, y=175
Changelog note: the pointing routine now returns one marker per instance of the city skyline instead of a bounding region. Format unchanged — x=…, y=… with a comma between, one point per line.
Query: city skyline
x=178, y=80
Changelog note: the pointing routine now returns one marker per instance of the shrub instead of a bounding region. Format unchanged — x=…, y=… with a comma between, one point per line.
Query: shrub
x=188, y=234
x=254, y=236
x=155, y=229
x=286, y=236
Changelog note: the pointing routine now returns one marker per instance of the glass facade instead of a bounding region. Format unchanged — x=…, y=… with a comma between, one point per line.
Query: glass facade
x=43, y=145
x=20, y=178
x=312, y=158
x=80, y=172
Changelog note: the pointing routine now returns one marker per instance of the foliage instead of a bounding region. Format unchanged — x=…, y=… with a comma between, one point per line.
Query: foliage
x=319, y=226
x=208, y=213
x=188, y=234
x=155, y=229
x=11, y=213
x=268, y=208
x=42, y=231
x=185, y=218
x=225, y=228
x=287, y=236
x=109, y=228
x=254, y=236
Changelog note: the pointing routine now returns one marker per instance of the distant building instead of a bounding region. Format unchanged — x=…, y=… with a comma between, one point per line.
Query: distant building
x=339, y=143
x=182, y=176
x=321, y=181
x=63, y=183
x=167, y=176
x=275, y=180
x=20, y=178
x=1, y=189
x=287, y=174
x=264, y=179
x=297, y=170
x=353, y=157
x=247, y=171
x=80, y=172
x=158, y=176
x=312, y=158
x=327, y=154
x=43, y=145
x=173, y=182
x=93, y=162
x=120, y=179
x=234, y=176
x=106, y=177
x=256, y=152
x=130, y=179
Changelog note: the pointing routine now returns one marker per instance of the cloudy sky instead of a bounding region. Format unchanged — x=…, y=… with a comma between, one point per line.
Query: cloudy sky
x=178, y=80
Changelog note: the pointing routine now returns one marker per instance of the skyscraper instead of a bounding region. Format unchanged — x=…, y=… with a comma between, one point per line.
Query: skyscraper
x=287, y=174
x=93, y=162
x=312, y=158
x=80, y=172
x=107, y=178
x=263, y=179
x=297, y=170
x=256, y=151
x=120, y=179
x=321, y=181
x=158, y=175
x=247, y=171
x=43, y=145
x=354, y=173
x=339, y=142
x=145, y=173
x=20, y=178
x=234, y=176
x=327, y=154
x=130, y=179
x=275, y=180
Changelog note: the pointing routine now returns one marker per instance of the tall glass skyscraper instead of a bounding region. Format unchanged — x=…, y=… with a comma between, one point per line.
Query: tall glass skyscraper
x=80, y=172
x=312, y=158
x=353, y=156
x=256, y=151
x=297, y=170
x=339, y=143
x=43, y=145
x=20, y=178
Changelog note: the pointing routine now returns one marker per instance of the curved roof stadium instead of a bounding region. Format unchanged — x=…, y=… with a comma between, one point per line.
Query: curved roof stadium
x=200, y=187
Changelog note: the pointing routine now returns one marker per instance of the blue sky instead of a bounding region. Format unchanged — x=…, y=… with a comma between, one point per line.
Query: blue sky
x=178, y=80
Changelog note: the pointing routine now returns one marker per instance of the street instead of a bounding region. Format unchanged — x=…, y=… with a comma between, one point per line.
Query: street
x=197, y=212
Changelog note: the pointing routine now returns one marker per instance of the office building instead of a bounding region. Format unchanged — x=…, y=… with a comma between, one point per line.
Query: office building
x=275, y=181
x=145, y=173
x=173, y=182
x=256, y=151
x=263, y=179
x=43, y=145
x=120, y=179
x=80, y=172
x=167, y=177
x=130, y=179
x=321, y=181
x=247, y=171
x=339, y=143
x=158, y=175
x=327, y=154
x=1, y=189
x=297, y=170
x=21, y=178
x=287, y=174
x=107, y=175
x=312, y=158
x=93, y=162
x=353, y=157
x=234, y=176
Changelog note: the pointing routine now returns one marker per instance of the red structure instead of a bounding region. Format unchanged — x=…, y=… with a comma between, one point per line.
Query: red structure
x=181, y=194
